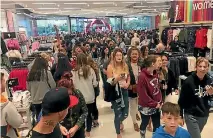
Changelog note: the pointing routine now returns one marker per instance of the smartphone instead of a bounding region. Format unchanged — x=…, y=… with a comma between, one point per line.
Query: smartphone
x=123, y=75
x=13, y=82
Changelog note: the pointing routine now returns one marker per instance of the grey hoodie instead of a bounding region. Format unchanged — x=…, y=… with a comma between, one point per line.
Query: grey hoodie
x=86, y=86
x=11, y=117
x=38, y=89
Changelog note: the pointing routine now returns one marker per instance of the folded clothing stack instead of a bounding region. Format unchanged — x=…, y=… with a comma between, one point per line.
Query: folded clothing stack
x=21, y=99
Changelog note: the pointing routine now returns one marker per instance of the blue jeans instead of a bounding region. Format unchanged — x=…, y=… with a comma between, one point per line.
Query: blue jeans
x=121, y=113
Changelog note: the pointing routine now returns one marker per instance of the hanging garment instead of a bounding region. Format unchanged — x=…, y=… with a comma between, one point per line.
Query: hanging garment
x=13, y=44
x=201, y=38
x=174, y=66
x=35, y=46
x=175, y=33
x=3, y=47
x=191, y=63
x=183, y=62
x=14, y=54
x=209, y=38
x=170, y=36
x=183, y=36
x=21, y=74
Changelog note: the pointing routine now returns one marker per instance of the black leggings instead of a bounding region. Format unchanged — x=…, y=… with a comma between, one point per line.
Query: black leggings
x=95, y=112
x=145, y=121
x=90, y=108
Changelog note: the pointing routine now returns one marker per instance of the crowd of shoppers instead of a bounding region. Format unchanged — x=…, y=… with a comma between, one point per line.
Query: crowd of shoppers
x=64, y=89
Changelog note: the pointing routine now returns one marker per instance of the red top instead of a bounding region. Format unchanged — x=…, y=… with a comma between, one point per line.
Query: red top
x=21, y=74
x=201, y=38
x=148, y=90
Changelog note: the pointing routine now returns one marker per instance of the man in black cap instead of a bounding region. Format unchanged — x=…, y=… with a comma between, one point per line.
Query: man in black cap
x=54, y=109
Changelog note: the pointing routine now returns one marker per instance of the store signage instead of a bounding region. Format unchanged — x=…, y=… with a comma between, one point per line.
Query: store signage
x=207, y=4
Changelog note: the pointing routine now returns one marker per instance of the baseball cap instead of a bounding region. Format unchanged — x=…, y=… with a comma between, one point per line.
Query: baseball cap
x=55, y=100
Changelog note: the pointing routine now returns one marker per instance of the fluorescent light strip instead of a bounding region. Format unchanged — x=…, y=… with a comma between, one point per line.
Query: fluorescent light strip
x=48, y=8
x=72, y=8
x=139, y=6
x=23, y=8
x=82, y=3
x=162, y=6
x=44, y=3
x=155, y=1
x=99, y=3
x=131, y=2
x=146, y=9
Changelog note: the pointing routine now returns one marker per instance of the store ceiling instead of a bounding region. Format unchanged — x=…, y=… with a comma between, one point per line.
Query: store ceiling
x=89, y=8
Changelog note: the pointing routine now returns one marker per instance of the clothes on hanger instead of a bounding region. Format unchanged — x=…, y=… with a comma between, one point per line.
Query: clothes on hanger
x=201, y=38
x=209, y=38
x=13, y=44
x=14, y=54
x=21, y=74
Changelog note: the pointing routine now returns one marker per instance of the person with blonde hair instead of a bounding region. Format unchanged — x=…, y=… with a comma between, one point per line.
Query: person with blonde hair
x=118, y=75
x=198, y=88
x=84, y=79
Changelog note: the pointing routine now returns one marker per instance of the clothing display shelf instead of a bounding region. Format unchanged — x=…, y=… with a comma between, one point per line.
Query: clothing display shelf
x=195, y=24
x=24, y=128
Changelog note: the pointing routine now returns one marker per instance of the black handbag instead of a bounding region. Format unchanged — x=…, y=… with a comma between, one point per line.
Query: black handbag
x=110, y=92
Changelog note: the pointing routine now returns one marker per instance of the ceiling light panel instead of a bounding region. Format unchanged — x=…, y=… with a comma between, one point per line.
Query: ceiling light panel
x=100, y=3
x=139, y=6
x=80, y=3
x=44, y=3
x=72, y=8
x=48, y=8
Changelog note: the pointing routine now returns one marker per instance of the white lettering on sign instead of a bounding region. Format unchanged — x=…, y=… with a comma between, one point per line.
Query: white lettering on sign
x=207, y=4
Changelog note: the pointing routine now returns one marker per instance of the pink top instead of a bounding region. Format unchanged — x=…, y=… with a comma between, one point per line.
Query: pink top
x=13, y=44
x=35, y=45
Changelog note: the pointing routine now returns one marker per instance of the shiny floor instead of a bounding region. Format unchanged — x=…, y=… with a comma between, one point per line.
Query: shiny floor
x=107, y=130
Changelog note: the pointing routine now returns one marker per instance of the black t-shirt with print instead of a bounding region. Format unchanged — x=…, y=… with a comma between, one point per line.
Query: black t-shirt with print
x=55, y=134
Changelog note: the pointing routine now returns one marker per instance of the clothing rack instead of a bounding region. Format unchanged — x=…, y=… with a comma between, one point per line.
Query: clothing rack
x=21, y=65
x=194, y=24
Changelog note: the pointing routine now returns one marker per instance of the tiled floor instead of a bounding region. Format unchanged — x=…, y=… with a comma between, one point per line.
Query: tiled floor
x=107, y=130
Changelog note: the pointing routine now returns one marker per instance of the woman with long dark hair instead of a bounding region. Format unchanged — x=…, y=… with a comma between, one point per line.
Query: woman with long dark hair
x=84, y=79
x=169, y=77
x=61, y=67
x=134, y=64
x=118, y=73
x=144, y=52
x=39, y=81
x=150, y=98
x=74, y=121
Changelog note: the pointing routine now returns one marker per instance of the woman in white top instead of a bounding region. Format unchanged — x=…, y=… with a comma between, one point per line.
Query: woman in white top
x=84, y=79
x=134, y=63
x=118, y=72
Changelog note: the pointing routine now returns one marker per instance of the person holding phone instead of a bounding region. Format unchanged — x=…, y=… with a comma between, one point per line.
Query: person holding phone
x=118, y=72
x=198, y=88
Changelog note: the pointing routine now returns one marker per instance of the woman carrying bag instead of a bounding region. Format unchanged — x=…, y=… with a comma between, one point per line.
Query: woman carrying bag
x=118, y=75
x=134, y=64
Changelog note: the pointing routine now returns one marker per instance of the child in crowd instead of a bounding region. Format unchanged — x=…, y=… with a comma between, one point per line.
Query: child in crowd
x=171, y=128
